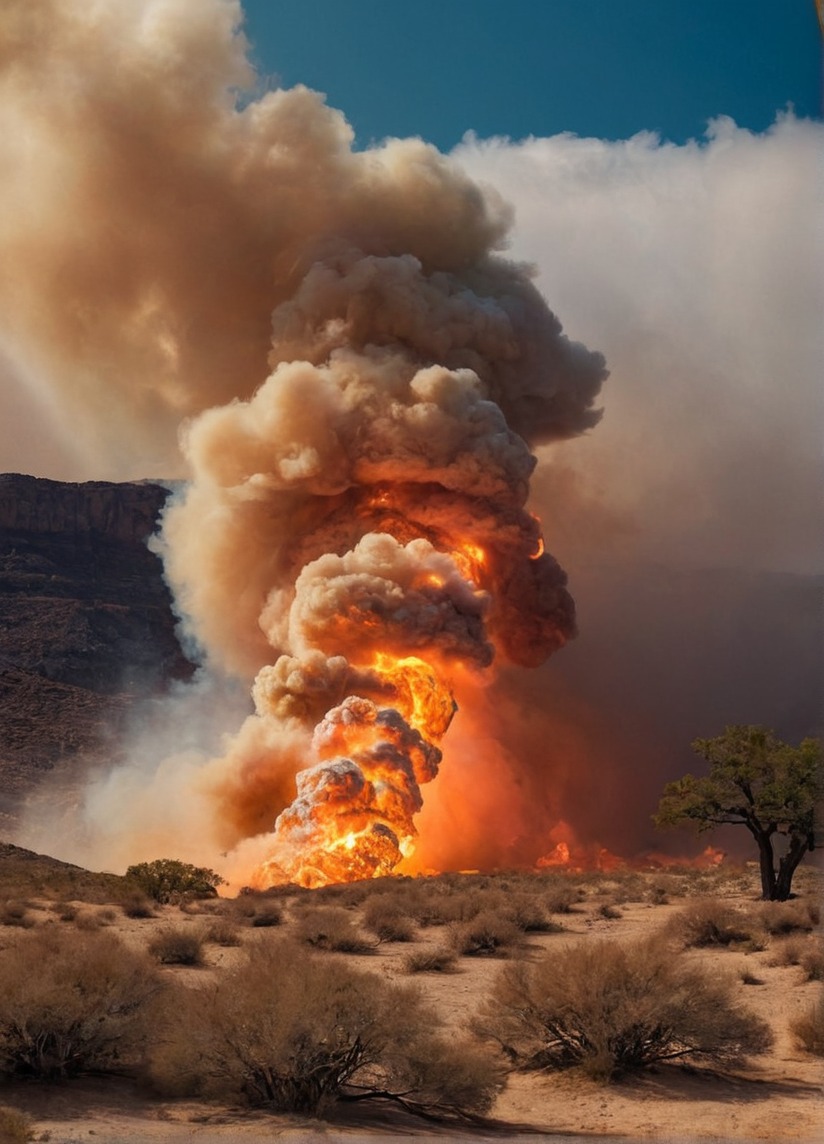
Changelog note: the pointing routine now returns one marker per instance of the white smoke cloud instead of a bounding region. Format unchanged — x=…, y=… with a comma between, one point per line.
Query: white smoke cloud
x=699, y=269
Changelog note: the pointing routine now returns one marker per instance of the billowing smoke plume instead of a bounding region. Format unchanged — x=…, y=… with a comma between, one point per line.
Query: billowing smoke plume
x=363, y=379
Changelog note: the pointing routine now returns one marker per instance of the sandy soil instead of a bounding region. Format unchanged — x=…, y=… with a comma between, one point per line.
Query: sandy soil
x=777, y=1098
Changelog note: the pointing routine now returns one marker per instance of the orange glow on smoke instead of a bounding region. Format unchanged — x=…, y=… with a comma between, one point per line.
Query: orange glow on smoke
x=540, y=549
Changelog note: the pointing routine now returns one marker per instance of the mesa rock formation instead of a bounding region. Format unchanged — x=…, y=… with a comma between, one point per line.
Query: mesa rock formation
x=86, y=622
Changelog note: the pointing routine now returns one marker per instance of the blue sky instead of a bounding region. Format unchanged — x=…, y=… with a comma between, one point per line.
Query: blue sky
x=439, y=68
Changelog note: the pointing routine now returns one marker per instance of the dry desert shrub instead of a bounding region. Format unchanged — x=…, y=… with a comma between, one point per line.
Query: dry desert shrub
x=779, y=918
x=529, y=913
x=15, y=1126
x=178, y=945
x=263, y=914
x=331, y=928
x=805, y=950
x=812, y=960
x=487, y=934
x=83, y=1010
x=560, y=896
x=612, y=1008
x=266, y=915
x=808, y=1029
x=431, y=960
x=608, y=911
x=294, y=1033
x=223, y=932
x=662, y=888
x=625, y=886
x=384, y=916
x=16, y=913
x=706, y=922
x=88, y=920
x=135, y=904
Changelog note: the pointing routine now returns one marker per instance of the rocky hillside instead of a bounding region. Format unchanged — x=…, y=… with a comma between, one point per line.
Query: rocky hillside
x=86, y=623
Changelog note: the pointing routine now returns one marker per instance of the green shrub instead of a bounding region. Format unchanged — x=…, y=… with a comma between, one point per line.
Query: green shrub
x=612, y=1008
x=82, y=1010
x=294, y=1033
x=808, y=1029
x=167, y=879
x=178, y=945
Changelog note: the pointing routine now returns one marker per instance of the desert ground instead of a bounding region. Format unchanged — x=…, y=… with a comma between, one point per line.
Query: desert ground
x=774, y=958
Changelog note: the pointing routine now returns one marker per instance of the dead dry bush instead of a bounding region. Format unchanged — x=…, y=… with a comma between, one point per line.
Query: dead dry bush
x=780, y=918
x=260, y=913
x=431, y=960
x=808, y=1029
x=804, y=950
x=224, y=932
x=178, y=945
x=707, y=922
x=71, y=1003
x=529, y=914
x=15, y=1126
x=294, y=1033
x=559, y=897
x=135, y=904
x=16, y=913
x=331, y=928
x=612, y=1009
x=385, y=917
x=488, y=934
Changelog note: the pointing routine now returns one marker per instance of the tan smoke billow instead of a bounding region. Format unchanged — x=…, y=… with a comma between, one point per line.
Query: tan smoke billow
x=361, y=375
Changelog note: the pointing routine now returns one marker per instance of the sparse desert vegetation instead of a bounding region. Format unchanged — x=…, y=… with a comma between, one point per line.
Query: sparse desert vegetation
x=613, y=1008
x=523, y=982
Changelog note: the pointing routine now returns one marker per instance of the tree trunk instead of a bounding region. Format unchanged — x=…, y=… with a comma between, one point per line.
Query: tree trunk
x=799, y=844
x=767, y=862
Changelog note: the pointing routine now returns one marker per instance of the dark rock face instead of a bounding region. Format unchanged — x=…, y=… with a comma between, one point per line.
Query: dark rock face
x=86, y=622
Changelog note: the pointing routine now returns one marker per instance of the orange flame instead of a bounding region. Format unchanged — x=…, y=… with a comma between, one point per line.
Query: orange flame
x=557, y=856
x=425, y=702
x=470, y=559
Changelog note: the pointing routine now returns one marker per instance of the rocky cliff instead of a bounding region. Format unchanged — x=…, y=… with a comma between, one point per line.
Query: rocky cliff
x=86, y=622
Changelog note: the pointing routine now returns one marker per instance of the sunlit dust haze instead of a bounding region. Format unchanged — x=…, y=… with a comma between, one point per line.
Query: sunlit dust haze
x=385, y=435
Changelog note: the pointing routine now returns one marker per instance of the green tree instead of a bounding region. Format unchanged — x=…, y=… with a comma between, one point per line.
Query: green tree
x=168, y=878
x=756, y=781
